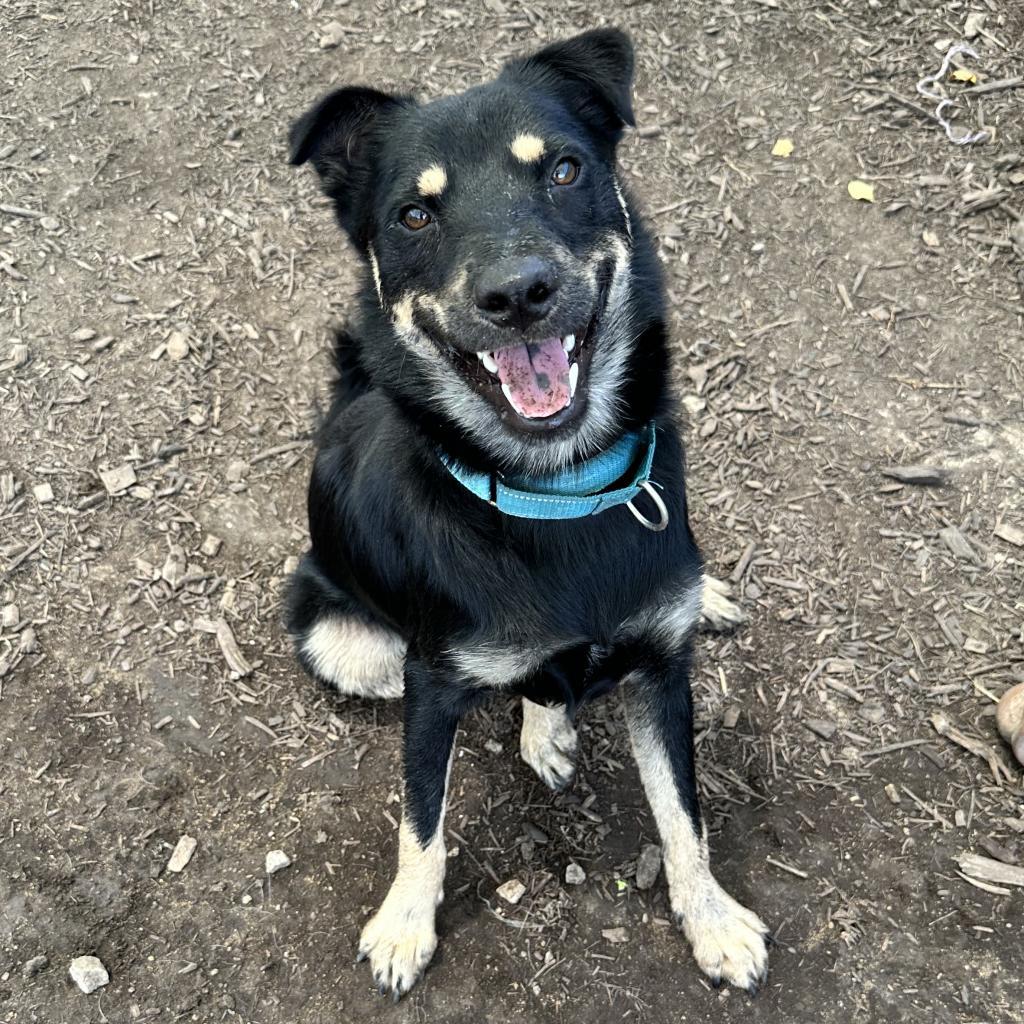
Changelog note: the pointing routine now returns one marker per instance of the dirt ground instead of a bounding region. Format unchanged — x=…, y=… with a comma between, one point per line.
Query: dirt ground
x=167, y=284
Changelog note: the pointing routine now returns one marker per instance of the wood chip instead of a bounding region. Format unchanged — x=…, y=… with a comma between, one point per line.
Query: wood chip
x=944, y=727
x=921, y=475
x=989, y=870
x=1010, y=533
x=957, y=544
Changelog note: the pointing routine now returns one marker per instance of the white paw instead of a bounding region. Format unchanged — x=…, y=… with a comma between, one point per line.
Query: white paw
x=730, y=943
x=399, y=941
x=548, y=744
x=718, y=611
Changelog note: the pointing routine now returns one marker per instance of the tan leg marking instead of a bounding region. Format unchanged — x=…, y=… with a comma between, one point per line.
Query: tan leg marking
x=548, y=743
x=728, y=940
x=400, y=938
x=358, y=659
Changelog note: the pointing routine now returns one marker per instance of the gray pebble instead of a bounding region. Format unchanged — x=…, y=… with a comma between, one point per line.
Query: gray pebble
x=648, y=864
x=88, y=973
x=30, y=968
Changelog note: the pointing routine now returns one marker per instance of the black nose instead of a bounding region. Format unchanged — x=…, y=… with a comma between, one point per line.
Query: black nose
x=516, y=292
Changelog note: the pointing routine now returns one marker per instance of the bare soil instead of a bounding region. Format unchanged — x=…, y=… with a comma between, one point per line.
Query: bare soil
x=166, y=293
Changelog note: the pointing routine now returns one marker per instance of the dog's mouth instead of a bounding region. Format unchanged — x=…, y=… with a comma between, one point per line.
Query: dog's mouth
x=537, y=385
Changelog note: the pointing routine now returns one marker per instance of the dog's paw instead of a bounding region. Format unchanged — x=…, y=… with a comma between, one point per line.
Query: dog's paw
x=730, y=943
x=718, y=612
x=548, y=744
x=399, y=942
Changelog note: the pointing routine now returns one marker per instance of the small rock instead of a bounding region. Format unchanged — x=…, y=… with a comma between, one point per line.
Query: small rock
x=648, y=865
x=930, y=239
x=175, y=565
x=277, y=860
x=957, y=544
x=83, y=334
x=974, y=23
x=211, y=545
x=731, y=716
x=493, y=746
x=118, y=479
x=30, y=968
x=186, y=846
x=512, y=891
x=616, y=935
x=873, y=713
x=49, y=223
x=291, y=563
x=238, y=470
x=574, y=874
x=9, y=616
x=893, y=794
x=332, y=35
x=88, y=973
x=926, y=476
x=177, y=346
x=43, y=493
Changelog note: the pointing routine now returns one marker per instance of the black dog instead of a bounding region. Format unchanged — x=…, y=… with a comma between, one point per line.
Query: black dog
x=500, y=437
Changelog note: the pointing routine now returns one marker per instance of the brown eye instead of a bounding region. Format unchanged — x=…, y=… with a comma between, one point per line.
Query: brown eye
x=566, y=172
x=414, y=218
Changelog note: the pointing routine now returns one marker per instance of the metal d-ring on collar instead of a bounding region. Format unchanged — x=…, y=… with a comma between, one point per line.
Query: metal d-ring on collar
x=616, y=476
x=657, y=527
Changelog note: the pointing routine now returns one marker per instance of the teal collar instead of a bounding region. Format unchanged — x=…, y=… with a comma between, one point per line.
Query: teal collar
x=579, y=491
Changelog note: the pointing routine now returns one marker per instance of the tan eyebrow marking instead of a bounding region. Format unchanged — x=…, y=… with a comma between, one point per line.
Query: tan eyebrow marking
x=432, y=181
x=527, y=147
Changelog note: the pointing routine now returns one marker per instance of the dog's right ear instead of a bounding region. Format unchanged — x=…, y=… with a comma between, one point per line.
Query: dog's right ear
x=338, y=135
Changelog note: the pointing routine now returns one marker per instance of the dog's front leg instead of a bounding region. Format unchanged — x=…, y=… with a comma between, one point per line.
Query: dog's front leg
x=729, y=941
x=400, y=939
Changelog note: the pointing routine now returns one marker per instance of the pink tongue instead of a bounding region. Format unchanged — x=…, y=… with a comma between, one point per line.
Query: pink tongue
x=536, y=377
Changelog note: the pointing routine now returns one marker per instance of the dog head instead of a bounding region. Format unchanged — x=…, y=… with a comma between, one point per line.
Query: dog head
x=506, y=276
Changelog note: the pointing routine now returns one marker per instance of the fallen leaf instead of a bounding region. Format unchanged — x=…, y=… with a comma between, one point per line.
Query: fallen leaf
x=861, y=190
x=964, y=75
x=782, y=147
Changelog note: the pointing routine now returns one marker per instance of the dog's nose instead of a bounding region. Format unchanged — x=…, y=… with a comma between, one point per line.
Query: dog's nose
x=516, y=292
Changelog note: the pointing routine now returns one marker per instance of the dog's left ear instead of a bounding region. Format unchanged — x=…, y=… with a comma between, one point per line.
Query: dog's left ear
x=593, y=73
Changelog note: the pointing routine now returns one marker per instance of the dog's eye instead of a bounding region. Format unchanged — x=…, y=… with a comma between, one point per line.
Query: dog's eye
x=415, y=217
x=566, y=172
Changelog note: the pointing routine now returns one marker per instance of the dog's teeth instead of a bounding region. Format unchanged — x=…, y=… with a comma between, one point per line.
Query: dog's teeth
x=507, y=392
x=490, y=363
x=574, y=375
x=569, y=342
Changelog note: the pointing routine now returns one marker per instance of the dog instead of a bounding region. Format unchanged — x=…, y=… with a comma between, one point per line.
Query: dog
x=497, y=503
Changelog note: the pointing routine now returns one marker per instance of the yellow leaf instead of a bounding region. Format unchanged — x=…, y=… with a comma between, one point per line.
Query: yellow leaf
x=783, y=147
x=861, y=190
x=964, y=75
